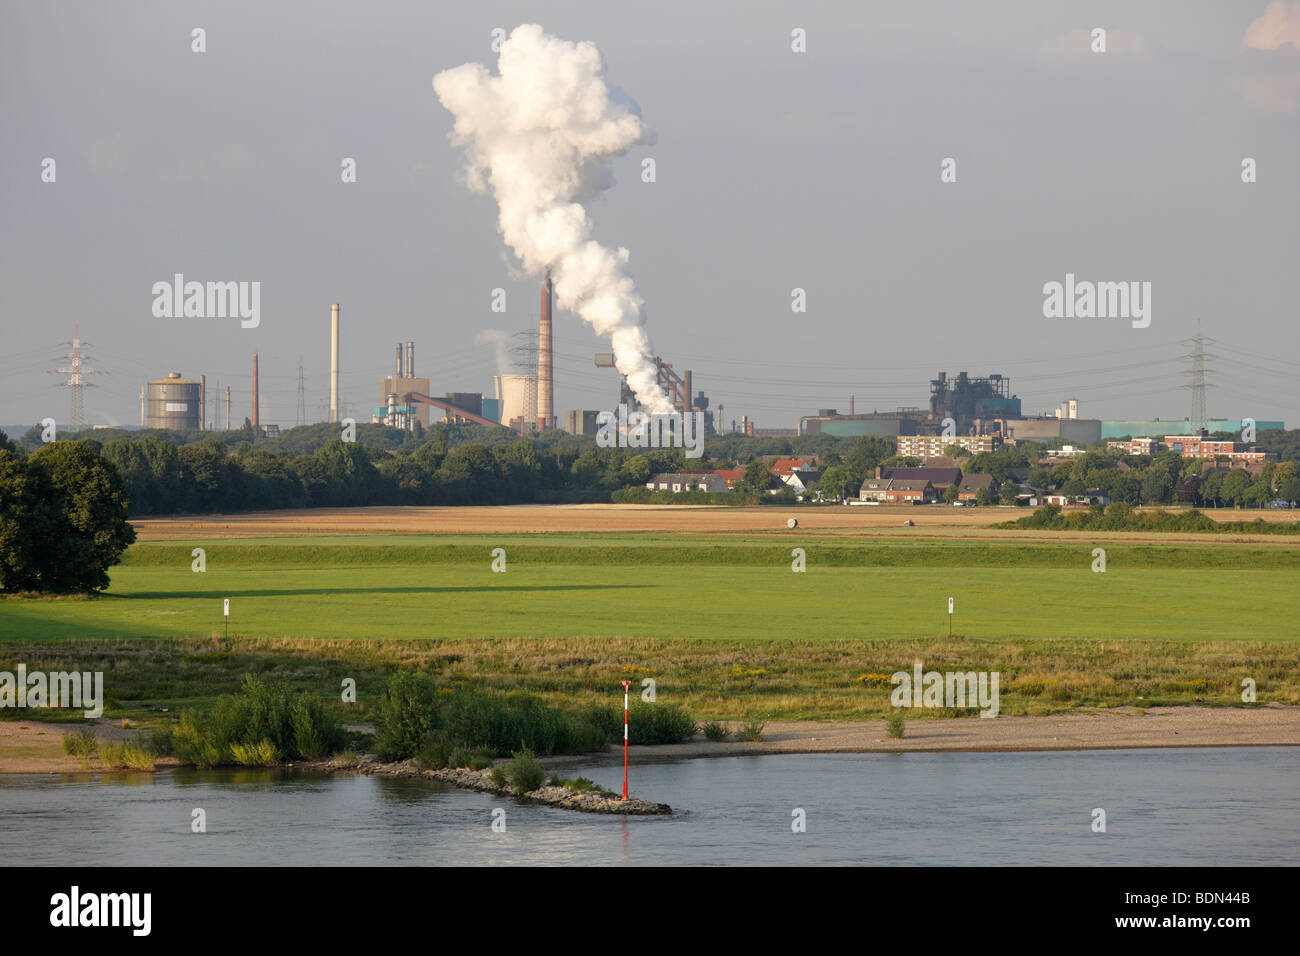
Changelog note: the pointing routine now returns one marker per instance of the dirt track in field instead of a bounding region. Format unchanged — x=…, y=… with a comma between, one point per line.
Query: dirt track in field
x=933, y=522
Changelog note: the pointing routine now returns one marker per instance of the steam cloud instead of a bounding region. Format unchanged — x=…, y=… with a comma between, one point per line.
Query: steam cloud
x=499, y=340
x=539, y=136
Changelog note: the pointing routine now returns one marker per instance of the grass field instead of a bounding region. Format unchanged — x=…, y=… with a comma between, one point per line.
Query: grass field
x=699, y=588
x=720, y=620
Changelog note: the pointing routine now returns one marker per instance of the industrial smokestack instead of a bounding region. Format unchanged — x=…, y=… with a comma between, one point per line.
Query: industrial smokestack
x=851, y=398
x=410, y=360
x=545, y=386
x=227, y=408
x=399, y=361
x=687, y=397
x=334, y=362
x=255, y=394
x=203, y=403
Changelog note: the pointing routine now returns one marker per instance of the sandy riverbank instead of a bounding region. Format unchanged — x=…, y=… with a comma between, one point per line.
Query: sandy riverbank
x=33, y=747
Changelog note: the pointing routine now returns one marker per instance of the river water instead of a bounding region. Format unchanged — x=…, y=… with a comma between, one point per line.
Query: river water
x=1180, y=806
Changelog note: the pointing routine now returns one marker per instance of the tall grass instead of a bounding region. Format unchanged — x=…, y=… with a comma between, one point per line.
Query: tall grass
x=417, y=717
x=260, y=724
x=81, y=742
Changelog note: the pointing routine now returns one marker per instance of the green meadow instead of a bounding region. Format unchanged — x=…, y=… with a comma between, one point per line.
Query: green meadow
x=683, y=588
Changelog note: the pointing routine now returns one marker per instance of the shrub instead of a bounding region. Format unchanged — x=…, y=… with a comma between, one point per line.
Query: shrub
x=434, y=752
x=751, y=729
x=137, y=756
x=110, y=754
x=81, y=743
x=259, y=754
x=406, y=715
x=160, y=740
x=498, y=775
x=191, y=743
x=895, y=725
x=580, y=785
x=315, y=733
x=473, y=759
x=659, y=724
x=525, y=771
x=715, y=730
x=294, y=727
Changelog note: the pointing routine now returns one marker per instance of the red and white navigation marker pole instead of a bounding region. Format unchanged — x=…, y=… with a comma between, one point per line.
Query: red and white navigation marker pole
x=626, y=685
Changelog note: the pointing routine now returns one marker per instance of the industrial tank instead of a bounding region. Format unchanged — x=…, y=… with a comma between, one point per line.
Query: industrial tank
x=172, y=403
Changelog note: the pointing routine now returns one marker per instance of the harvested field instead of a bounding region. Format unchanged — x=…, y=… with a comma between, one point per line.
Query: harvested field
x=931, y=521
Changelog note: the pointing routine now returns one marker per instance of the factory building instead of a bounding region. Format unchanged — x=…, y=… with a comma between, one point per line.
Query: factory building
x=581, y=422
x=173, y=403
x=392, y=409
x=1081, y=431
x=678, y=388
x=965, y=399
x=828, y=421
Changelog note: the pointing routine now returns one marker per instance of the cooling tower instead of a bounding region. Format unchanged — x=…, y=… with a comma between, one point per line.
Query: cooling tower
x=518, y=397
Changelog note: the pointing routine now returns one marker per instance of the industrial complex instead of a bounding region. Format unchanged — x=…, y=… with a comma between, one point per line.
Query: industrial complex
x=974, y=412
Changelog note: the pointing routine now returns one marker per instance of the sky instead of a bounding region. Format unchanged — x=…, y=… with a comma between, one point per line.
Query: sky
x=775, y=170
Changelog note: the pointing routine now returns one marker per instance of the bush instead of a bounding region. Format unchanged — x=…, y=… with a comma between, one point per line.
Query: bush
x=315, y=733
x=894, y=724
x=525, y=771
x=137, y=756
x=260, y=754
x=192, y=744
x=751, y=729
x=472, y=759
x=406, y=716
x=81, y=743
x=434, y=752
x=110, y=754
x=659, y=724
x=260, y=719
x=160, y=740
x=580, y=785
x=498, y=775
x=716, y=731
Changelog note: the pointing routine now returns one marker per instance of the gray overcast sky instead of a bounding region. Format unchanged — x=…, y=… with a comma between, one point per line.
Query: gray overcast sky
x=775, y=170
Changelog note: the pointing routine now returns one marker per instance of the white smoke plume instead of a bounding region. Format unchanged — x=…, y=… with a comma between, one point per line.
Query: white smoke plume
x=539, y=136
x=499, y=340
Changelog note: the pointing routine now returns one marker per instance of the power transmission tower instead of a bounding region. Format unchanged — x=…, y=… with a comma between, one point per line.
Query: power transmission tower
x=302, y=404
x=76, y=373
x=1199, y=370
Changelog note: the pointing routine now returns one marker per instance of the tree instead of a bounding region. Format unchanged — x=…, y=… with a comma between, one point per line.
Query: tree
x=956, y=451
x=16, y=570
x=835, y=484
x=70, y=507
x=756, y=479
x=984, y=496
x=951, y=494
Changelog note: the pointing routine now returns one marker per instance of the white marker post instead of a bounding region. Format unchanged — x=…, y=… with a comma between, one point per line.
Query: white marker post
x=225, y=613
x=950, y=617
x=626, y=685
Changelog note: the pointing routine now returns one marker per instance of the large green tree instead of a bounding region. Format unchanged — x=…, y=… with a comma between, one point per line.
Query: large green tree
x=64, y=525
